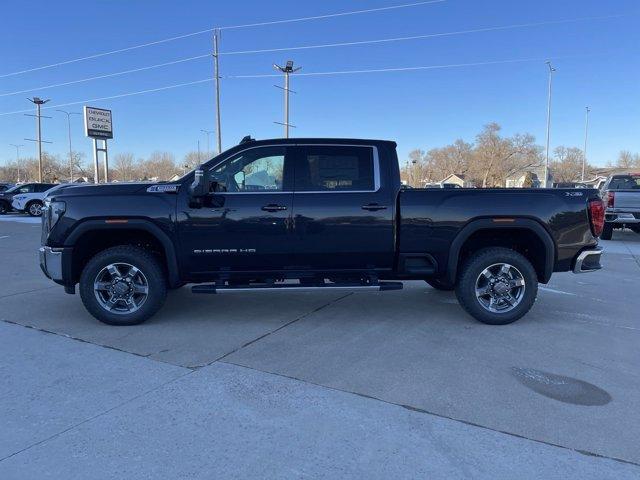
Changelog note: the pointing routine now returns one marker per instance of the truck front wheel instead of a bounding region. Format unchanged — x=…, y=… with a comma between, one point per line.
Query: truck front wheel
x=497, y=286
x=123, y=285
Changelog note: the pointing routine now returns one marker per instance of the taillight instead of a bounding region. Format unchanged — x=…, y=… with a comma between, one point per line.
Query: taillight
x=611, y=199
x=596, y=216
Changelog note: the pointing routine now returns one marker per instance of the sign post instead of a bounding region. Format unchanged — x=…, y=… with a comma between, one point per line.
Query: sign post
x=98, y=125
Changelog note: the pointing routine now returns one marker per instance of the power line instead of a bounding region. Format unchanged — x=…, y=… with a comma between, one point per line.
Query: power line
x=332, y=15
x=107, y=75
x=327, y=45
x=209, y=30
x=128, y=94
x=311, y=74
x=417, y=37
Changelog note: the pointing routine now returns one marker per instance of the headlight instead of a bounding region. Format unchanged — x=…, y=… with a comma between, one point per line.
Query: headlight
x=19, y=197
x=54, y=210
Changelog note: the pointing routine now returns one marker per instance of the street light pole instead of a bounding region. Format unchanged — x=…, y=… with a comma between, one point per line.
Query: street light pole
x=68, y=114
x=287, y=70
x=38, y=102
x=546, y=162
x=207, y=133
x=216, y=73
x=17, y=157
x=586, y=136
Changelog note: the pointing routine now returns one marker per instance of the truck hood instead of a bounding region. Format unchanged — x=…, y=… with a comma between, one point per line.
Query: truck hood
x=106, y=189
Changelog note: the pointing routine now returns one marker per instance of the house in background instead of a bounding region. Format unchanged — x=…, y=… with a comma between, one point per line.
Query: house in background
x=530, y=177
x=458, y=179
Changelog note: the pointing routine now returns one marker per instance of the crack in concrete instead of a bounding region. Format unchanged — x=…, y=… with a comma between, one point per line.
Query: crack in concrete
x=439, y=415
x=257, y=339
x=28, y=291
x=98, y=415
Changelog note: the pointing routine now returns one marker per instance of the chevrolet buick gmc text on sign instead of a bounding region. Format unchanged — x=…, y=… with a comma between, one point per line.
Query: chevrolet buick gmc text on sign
x=98, y=123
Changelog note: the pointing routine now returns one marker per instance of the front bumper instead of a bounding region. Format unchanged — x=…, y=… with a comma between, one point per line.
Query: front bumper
x=51, y=262
x=588, y=260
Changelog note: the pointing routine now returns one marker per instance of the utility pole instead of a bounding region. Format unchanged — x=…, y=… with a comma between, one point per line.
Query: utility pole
x=199, y=159
x=287, y=70
x=207, y=133
x=216, y=54
x=68, y=114
x=38, y=102
x=586, y=136
x=17, y=157
x=546, y=162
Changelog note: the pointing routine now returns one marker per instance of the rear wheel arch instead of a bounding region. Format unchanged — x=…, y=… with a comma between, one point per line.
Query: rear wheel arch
x=528, y=237
x=93, y=236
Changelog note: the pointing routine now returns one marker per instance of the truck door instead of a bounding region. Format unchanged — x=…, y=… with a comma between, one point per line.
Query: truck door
x=342, y=213
x=244, y=226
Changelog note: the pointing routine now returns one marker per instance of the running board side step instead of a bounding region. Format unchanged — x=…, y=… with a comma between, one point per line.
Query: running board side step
x=377, y=287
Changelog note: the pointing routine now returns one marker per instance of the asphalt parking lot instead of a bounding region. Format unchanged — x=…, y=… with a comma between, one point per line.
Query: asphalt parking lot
x=324, y=385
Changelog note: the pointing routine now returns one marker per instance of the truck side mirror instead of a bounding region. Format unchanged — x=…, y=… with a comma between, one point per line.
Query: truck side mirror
x=199, y=188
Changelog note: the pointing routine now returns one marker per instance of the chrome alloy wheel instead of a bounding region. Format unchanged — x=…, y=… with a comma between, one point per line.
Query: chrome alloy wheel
x=500, y=288
x=121, y=288
x=35, y=209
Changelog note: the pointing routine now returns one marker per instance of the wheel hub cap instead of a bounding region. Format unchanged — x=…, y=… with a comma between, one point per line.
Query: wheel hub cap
x=121, y=288
x=500, y=288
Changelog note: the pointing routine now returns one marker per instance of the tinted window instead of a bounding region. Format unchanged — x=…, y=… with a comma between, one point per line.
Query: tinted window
x=625, y=182
x=43, y=187
x=335, y=168
x=24, y=188
x=254, y=170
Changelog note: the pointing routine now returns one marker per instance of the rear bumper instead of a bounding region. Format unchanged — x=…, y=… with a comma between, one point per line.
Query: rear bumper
x=588, y=260
x=613, y=216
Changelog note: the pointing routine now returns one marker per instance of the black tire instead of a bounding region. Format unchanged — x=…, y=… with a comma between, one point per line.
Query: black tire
x=146, y=263
x=4, y=208
x=472, y=270
x=34, y=208
x=607, y=231
x=439, y=284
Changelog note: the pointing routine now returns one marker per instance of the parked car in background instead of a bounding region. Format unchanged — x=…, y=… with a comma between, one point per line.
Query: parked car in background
x=5, y=186
x=32, y=203
x=6, y=197
x=621, y=195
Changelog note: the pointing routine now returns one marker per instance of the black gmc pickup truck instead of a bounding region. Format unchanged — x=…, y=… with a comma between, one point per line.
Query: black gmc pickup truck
x=301, y=214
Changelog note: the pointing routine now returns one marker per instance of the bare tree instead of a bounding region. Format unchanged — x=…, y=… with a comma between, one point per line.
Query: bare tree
x=626, y=159
x=124, y=167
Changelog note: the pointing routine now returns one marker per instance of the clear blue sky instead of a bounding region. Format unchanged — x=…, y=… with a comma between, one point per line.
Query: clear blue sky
x=418, y=109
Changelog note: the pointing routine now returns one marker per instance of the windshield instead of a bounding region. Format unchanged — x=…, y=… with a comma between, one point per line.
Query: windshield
x=12, y=189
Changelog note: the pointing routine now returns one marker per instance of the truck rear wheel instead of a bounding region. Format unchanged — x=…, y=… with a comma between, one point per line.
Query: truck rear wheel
x=607, y=231
x=123, y=285
x=497, y=286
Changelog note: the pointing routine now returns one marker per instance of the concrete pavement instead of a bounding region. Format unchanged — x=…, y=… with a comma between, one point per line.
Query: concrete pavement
x=397, y=384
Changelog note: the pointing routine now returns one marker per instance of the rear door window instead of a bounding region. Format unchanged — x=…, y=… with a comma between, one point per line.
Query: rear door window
x=335, y=168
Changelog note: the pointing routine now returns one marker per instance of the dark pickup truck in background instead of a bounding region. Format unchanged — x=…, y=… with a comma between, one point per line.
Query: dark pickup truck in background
x=304, y=214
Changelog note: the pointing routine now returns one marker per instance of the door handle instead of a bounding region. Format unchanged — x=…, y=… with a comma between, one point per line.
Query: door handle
x=373, y=207
x=274, y=208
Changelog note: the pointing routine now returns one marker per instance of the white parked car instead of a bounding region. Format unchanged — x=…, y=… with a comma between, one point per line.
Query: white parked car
x=31, y=203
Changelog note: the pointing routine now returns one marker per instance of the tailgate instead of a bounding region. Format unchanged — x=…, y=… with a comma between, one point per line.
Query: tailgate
x=627, y=200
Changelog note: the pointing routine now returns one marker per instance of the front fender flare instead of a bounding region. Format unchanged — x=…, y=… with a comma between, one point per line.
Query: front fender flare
x=133, y=224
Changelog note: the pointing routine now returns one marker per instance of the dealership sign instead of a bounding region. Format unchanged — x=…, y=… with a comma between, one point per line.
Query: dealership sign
x=97, y=123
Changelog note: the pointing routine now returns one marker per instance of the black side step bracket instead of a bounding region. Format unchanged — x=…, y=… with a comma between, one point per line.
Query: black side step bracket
x=296, y=287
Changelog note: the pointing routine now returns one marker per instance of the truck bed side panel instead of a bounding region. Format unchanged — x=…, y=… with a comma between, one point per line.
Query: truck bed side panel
x=430, y=219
